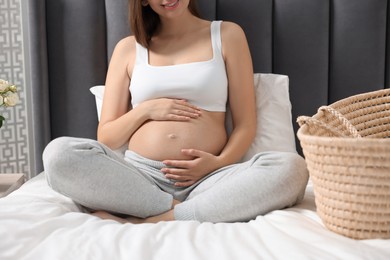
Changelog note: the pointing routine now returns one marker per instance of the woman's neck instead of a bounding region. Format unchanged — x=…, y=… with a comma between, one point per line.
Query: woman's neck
x=178, y=26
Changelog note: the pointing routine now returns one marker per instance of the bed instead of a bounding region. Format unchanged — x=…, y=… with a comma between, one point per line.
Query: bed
x=328, y=49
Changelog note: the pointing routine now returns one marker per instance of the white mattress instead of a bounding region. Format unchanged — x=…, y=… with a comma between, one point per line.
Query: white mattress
x=38, y=223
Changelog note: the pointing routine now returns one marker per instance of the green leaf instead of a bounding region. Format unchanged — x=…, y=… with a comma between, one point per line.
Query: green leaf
x=1, y=121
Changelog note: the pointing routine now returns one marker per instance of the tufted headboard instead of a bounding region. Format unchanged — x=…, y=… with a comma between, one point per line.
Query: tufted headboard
x=330, y=49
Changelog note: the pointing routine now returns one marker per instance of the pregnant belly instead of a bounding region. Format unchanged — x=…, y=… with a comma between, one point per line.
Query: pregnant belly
x=162, y=140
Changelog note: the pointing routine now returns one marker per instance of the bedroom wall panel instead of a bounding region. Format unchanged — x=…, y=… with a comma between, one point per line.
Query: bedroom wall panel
x=387, y=65
x=301, y=51
x=208, y=9
x=76, y=43
x=117, y=23
x=257, y=25
x=358, y=47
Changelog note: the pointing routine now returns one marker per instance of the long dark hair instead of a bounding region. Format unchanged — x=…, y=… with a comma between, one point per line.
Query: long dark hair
x=144, y=21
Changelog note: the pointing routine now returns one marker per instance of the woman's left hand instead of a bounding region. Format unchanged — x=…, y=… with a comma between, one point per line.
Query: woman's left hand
x=187, y=172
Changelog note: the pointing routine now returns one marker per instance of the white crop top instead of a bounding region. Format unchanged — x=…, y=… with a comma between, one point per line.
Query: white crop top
x=203, y=84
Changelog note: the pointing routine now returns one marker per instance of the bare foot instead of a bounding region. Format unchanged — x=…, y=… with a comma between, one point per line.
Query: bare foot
x=105, y=215
x=166, y=216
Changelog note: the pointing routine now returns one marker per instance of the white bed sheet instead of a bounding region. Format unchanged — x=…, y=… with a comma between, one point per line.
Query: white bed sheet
x=38, y=223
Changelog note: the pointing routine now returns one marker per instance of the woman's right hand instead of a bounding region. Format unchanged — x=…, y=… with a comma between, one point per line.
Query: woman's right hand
x=167, y=109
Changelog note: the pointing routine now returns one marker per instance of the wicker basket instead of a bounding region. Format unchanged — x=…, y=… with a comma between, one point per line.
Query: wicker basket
x=347, y=149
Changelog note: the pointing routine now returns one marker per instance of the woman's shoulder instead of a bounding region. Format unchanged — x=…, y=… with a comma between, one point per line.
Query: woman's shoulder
x=232, y=36
x=124, y=52
x=231, y=30
x=126, y=44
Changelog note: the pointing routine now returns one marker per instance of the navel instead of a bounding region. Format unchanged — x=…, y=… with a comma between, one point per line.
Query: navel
x=172, y=136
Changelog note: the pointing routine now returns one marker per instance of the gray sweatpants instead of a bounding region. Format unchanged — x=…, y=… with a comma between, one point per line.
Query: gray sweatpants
x=96, y=177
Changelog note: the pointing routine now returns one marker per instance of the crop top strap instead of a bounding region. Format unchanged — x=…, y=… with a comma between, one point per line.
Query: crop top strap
x=141, y=54
x=216, y=36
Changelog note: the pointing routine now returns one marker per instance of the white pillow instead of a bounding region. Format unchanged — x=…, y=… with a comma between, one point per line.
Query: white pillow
x=98, y=92
x=274, y=120
x=274, y=131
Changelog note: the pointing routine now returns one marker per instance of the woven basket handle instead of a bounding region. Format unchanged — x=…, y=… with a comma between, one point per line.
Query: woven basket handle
x=315, y=122
x=327, y=109
x=345, y=122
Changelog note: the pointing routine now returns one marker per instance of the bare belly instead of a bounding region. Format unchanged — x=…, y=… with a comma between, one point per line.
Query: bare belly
x=163, y=140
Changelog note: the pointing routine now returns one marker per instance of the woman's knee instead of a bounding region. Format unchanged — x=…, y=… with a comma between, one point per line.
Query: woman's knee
x=292, y=164
x=62, y=146
x=55, y=150
x=296, y=162
x=53, y=159
x=63, y=154
x=289, y=168
x=296, y=174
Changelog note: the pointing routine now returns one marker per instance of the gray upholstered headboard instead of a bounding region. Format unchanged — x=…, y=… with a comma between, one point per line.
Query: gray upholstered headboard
x=330, y=49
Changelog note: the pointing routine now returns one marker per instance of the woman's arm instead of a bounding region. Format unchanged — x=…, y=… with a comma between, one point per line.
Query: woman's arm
x=116, y=124
x=242, y=98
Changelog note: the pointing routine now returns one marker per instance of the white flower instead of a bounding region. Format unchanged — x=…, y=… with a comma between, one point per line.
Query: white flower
x=8, y=96
x=3, y=85
x=11, y=99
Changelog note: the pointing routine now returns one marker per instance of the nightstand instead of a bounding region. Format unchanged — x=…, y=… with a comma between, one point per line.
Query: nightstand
x=10, y=182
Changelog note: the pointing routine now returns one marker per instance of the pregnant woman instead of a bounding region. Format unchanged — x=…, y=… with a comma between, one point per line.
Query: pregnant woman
x=177, y=72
